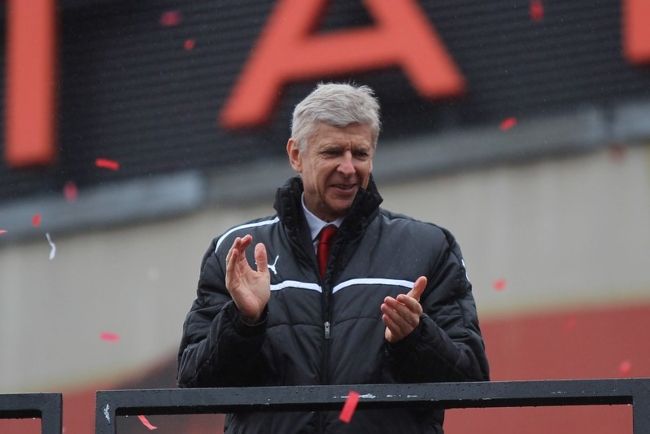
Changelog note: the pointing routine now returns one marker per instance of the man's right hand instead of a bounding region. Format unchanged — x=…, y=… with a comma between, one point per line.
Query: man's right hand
x=250, y=289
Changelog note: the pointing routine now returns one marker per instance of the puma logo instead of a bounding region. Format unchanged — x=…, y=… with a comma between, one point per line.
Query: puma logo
x=272, y=266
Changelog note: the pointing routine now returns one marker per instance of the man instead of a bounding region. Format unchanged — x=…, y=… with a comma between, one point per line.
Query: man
x=389, y=303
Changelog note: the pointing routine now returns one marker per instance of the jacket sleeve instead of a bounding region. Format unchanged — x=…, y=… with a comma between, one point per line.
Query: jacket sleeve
x=447, y=345
x=217, y=347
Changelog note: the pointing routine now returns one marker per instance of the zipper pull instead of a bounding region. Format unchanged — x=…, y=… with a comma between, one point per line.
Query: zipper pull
x=327, y=329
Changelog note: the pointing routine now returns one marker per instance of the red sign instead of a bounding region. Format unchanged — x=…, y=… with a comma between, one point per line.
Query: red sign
x=636, y=30
x=288, y=51
x=31, y=82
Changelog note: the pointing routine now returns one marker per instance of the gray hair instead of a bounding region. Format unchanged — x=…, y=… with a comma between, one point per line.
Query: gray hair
x=338, y=105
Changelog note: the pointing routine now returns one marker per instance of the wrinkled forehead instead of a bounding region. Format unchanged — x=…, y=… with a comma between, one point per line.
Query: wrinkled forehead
x=354, y=133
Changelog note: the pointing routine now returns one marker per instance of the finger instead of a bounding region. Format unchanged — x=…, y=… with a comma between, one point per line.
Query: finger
x=237, y=254
x=404, y=315
x=389, y=323
x=231, y=259
x=234, y=247
x=412, y=304
x=418, y=288
x=398, y=305
x=245, y=242
x=398, y=322
x=261, y=258
x=396, y=332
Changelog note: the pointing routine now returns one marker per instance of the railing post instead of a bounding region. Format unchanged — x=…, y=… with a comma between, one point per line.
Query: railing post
x=105, y=422
x=641, y=408
x=51, y=415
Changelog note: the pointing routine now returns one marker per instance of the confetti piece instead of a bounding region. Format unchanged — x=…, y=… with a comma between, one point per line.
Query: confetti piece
x=70, y=191
x=170, y=18
x=625, y=367
x=508, y=123
x=105, y=163
x=189, y=44
x=349, y=407
x=536, y=10
x=109, y=337
x=52, y=246
x=36, y=220
x=3, y=231
x=499, y=284
x=146, y=423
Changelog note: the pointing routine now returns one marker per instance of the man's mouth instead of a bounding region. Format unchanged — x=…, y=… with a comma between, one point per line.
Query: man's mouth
x=345, y=187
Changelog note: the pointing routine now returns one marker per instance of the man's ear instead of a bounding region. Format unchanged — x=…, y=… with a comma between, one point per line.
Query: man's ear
x=295, y=156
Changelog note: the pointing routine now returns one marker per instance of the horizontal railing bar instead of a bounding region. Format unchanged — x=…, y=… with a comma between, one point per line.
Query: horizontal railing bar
x=635, y=391
x=447, y=395
x=24, y=405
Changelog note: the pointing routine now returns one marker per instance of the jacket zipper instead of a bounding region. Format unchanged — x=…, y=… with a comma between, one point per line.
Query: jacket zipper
x=327, y=318
x=327, y=326
x=327, y=329
x=326, y=312
x=327, y=333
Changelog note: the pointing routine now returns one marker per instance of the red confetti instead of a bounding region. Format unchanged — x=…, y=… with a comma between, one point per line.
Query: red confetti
x=36, y=220
x=508, y=123
x=189, y=44
x=146, y=423
x=3, y=231
x=536, y=10
x=499, y=284
x=170, y=18
x=109, y=336
x=349, y=407
x=625, y=367
x=105, y=163
x=70, y=191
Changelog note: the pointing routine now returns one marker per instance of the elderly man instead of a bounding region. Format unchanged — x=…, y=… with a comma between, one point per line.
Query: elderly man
x=336, y=289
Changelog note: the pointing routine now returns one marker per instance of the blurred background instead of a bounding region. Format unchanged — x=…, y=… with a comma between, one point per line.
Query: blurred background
x=136, y=131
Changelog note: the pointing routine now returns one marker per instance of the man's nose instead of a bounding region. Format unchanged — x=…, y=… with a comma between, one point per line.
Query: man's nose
x=346, y=166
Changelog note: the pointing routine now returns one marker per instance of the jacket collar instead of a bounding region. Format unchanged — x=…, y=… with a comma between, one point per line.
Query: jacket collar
x=289, y=207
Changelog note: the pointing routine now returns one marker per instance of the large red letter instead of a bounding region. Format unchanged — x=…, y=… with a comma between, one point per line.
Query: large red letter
x=31, y=82
x=286, y=51
x=636, y=30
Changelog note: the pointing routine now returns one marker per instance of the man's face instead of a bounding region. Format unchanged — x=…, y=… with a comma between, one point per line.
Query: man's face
x=334, y=165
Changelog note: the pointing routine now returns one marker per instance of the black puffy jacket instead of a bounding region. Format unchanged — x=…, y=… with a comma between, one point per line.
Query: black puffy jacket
x=330, y=331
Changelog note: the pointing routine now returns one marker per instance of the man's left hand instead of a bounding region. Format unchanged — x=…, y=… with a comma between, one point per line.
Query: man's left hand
x=402, y=314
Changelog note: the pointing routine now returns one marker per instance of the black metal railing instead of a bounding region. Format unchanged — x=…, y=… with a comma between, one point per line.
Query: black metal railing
x=636, y=392
x=46, y=406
